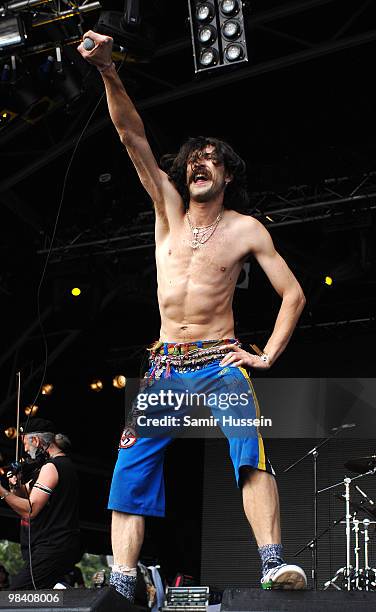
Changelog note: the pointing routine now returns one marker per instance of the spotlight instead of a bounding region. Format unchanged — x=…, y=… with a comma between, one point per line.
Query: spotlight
x=47, y=389
x=328, y=281
x=119, y=381
x=11, y=433
x=96, y=385
x=76, y=291
x=217, y=33
x=12, y=32
x=129, y=30
x=205, y=12
x=208, y=57
x=234, y=52
x=231, y=29
x=67, y=81
x=25, y=98
x=207, y=35
x=229, y=8
x=31, y=410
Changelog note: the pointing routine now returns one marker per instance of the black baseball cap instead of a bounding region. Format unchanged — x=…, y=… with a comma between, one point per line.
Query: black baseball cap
x=37, y=425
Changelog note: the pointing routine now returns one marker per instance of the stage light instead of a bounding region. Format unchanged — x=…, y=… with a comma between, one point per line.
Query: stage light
x=209, y=57
x=119, y=381
x=67, y=80
x=328, y=281
x=234, y=52
x=207, y=35
x=11, y=433
x=229, y=8
x=217, y=33
x=96, y=385
x=76, y=291
x=129, y=30
x=205, y=12
x=47, y=389
x=31, y=410
x=12, y=32
x=231, y=29
x=25, y=98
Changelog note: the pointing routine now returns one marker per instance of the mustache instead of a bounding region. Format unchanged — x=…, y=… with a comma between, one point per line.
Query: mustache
x=200, y=170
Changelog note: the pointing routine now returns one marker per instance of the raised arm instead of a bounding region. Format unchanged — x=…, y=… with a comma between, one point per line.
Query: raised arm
x=130, y=128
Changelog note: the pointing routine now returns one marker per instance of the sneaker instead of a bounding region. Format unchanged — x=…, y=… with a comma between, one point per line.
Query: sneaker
x=287, y=577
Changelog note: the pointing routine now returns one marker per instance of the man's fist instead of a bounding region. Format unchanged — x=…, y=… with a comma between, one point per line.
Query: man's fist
x=100, y=55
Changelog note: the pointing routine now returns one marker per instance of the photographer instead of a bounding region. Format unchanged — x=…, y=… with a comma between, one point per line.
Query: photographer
x=48, y=507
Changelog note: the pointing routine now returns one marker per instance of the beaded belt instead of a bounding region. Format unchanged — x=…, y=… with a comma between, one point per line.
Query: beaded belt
x=183, y=357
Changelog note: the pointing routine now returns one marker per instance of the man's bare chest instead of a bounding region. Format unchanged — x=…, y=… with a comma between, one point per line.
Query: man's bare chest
x=216, y=256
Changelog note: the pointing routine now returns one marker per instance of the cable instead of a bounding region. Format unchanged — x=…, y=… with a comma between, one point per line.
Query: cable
x=40, y=288
x=53, y=239
x=29, y=540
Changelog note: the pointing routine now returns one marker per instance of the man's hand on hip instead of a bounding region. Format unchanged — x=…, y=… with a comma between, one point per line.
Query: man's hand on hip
x=239, y=357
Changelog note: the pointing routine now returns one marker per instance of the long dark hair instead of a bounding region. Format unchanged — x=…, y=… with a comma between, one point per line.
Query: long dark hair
x=236, y=194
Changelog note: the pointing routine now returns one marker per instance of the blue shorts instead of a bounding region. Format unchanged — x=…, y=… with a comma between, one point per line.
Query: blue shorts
x=138, y=484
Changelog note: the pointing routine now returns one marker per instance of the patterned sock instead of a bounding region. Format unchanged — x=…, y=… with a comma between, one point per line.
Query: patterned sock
x=271, y=556
x=124, y=580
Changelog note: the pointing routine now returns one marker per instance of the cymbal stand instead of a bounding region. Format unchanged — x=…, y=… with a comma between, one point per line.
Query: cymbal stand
x=313, y=452
x=347, y=482
x=356, y=551
x=348, y=571
x=369, y=572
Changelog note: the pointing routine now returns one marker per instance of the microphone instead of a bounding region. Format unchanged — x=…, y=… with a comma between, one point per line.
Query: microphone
x=345, y=426
x=88, y=44
x=365, y=495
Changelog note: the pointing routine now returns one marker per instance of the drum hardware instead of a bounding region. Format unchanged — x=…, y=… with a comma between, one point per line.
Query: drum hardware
x=354, y=577
x=361, y=465
x=312, y=544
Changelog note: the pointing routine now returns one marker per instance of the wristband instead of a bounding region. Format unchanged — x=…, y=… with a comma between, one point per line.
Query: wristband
x=263, y=356
x=105, y=67
x=5, y=495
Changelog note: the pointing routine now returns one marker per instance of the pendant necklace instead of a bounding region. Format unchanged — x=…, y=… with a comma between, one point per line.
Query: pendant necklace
x=202, y=234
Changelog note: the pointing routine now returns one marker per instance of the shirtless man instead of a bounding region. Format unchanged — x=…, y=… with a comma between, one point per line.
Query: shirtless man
x=201, y=244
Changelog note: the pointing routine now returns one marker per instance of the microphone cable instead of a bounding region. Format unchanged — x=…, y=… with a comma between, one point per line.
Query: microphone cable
x=43, y=334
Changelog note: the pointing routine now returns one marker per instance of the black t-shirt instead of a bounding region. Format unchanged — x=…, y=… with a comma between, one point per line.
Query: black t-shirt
x=58, y=522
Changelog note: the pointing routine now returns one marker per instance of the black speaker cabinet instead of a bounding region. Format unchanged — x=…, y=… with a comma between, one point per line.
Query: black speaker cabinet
x=257, y=600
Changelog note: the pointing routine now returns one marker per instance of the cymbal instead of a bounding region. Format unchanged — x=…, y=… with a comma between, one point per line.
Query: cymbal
x=362, y=507
x=361, y=465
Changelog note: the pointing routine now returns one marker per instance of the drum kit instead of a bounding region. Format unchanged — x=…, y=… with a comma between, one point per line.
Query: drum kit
x=358, y=520
x=356, y=575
